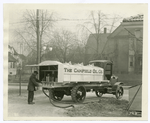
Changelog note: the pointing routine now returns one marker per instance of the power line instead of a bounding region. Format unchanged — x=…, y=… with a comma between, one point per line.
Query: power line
x=62, y=19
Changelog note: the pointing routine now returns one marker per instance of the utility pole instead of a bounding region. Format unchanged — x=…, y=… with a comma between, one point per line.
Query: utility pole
x=20, y=72
x=38, y=39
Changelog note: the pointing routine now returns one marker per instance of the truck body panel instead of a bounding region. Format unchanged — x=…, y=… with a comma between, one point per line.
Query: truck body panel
x=65, y=72
x=66, y=79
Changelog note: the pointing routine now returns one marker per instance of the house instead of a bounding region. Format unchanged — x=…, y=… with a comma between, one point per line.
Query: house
x=124, y=46
x=95, y=45
x=11, y=65
x=21, y=59
x=14, y=60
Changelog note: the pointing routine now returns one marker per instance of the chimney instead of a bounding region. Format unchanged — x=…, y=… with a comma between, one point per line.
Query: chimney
x=105, y=30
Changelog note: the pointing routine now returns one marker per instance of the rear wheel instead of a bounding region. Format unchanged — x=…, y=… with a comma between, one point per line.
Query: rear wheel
x=56, y=95
x=78, y=94
x=98, y=93
x=119, y=92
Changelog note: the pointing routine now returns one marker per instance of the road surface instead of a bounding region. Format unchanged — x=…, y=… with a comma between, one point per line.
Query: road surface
x=17, y=105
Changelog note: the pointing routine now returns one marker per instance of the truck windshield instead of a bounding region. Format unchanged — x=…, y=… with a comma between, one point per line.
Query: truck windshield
x=99, y=64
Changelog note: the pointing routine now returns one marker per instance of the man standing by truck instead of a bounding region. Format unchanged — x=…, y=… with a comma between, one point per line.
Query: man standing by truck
x=33, y=82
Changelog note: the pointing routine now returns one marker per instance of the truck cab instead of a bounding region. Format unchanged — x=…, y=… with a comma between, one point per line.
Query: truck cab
x=106, y=65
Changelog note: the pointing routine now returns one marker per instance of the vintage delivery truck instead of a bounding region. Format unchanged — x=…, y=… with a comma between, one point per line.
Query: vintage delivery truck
x=61, y=79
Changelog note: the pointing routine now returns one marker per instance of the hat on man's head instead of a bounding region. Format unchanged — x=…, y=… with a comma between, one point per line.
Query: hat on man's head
x=36, y=72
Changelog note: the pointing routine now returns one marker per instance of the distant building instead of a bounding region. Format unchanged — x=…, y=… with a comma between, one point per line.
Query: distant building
x=92, y=49
x=124, y=46
x=20, y=47
x=14, y=60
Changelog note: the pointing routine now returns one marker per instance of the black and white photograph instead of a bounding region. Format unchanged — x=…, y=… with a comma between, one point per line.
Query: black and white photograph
x=75, y=61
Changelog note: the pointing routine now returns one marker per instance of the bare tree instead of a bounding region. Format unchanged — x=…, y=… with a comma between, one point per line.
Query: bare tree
x=95, y=25
x=97, y=22
x=63, y=42
x=81, y=46
x=28, y=31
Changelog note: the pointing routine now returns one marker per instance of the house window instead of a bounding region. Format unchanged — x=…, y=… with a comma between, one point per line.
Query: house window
x=131, y=44
x=131, y=58
x=131, y=64
x=12, y=65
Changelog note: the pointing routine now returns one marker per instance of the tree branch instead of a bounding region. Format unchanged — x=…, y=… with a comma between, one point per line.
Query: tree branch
x=25, y=40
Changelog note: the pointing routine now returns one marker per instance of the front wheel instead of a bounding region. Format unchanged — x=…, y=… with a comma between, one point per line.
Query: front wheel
x=78, y=94
x=98, y=93
x=56, y=95
x=119, y=92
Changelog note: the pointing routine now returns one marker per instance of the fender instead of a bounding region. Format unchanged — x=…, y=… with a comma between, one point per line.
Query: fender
x=116, y=85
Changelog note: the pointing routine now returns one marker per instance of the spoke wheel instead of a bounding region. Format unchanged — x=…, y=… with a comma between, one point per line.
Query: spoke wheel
x=98, y=93
x=119, y=92
x=56, y=95
x=78, y=94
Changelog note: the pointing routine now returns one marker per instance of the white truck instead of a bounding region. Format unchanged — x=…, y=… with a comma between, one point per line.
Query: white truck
x=66, y=79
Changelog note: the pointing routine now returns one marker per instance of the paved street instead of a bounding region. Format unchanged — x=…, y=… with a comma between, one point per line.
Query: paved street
x=89, y=96
x=17, y=105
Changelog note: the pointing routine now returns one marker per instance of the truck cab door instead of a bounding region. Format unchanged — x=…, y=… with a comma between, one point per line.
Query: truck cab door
x=108, y=71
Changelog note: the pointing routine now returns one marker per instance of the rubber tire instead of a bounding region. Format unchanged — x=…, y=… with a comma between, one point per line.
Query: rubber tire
x=52, y=96
x=118, y=89
x=96, y=92
x=74, y=93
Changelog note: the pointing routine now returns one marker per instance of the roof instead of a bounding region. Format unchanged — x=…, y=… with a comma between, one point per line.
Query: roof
x=102, y=36
x=92, y=42
x=46, y=63
x=33, y=65
x=15, y=53
x=11, y=58
x=116, y=31
x=22, y=56
x=108, y=61
x=136, y=18
x=128, y=24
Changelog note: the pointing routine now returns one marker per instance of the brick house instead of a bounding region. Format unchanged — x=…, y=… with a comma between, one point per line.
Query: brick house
x=95, y=45
x=124, y=46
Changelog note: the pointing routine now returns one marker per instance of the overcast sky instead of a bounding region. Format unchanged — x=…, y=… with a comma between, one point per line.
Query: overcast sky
x=77, y=11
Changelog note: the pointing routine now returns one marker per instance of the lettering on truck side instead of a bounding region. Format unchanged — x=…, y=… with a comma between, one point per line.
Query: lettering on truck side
x=66, y=70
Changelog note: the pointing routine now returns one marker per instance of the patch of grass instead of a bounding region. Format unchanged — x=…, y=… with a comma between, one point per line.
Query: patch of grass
x=106, y=107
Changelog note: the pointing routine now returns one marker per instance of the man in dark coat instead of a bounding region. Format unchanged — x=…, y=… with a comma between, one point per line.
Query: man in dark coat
x=33, y=81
